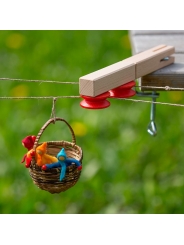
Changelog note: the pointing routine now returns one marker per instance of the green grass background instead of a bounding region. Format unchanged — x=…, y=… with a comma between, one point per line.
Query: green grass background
x=125, y=170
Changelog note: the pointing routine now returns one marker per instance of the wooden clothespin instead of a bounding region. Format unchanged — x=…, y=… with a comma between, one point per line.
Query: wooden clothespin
x=110, y=81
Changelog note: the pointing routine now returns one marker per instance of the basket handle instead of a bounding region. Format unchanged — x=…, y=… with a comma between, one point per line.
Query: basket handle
x=52, y=120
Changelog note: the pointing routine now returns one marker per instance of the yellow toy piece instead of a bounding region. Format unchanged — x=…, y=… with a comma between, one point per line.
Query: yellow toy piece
x=42, y=157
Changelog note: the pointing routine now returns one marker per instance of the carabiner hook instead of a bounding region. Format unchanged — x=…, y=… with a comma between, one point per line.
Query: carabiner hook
x=152, y=129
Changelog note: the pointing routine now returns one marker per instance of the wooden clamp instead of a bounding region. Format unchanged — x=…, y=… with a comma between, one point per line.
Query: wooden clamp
x=113, y=76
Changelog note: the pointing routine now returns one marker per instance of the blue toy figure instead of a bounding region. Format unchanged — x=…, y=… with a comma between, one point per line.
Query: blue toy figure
x=63, y=162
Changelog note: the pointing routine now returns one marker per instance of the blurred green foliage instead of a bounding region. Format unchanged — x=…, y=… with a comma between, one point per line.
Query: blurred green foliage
x=125, y=170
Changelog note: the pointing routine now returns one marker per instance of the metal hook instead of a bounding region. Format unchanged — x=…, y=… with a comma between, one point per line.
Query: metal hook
x=152, y=129
x=165, y=59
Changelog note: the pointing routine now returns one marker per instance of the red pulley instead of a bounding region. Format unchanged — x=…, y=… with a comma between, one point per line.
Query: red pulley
x=123, y=91
x=97, y=102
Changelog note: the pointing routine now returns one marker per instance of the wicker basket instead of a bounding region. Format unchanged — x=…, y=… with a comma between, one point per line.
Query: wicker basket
x=49, y=180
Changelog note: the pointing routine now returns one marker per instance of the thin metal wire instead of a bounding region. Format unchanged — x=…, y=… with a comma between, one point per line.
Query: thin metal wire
x=38, y=97
x=160, y=103
x=36, y=81
x=78, y=97
x=167, y=88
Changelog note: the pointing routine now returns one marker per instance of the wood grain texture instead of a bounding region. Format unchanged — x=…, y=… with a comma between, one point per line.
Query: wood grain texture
x=143, y=42
x=172, y=75
x=115, y=75
x=155, y=32
x=152, y=61
x=177, y=68
x=107, y=78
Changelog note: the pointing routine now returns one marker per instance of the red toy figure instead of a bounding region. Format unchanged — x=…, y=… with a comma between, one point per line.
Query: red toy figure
x=28, y=142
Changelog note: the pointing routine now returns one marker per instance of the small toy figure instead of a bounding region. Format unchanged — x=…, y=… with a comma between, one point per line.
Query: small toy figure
x=28, y=142
x=41, y=156
x=62, y=162
x=29, y=156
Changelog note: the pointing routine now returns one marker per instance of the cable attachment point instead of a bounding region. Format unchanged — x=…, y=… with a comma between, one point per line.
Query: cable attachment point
x=152, y=129
x=53, y=114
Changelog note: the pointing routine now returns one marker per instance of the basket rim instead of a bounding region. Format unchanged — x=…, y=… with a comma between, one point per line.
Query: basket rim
x=53, y=120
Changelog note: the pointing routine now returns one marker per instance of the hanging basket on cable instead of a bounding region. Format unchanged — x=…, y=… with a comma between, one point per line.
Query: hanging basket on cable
x=49, y=179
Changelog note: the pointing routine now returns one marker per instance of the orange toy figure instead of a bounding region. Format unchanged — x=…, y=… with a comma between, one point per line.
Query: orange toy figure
x=28, y=143
x=41, y=156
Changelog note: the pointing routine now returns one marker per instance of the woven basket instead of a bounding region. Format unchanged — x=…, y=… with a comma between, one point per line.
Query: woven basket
x=49, y=180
